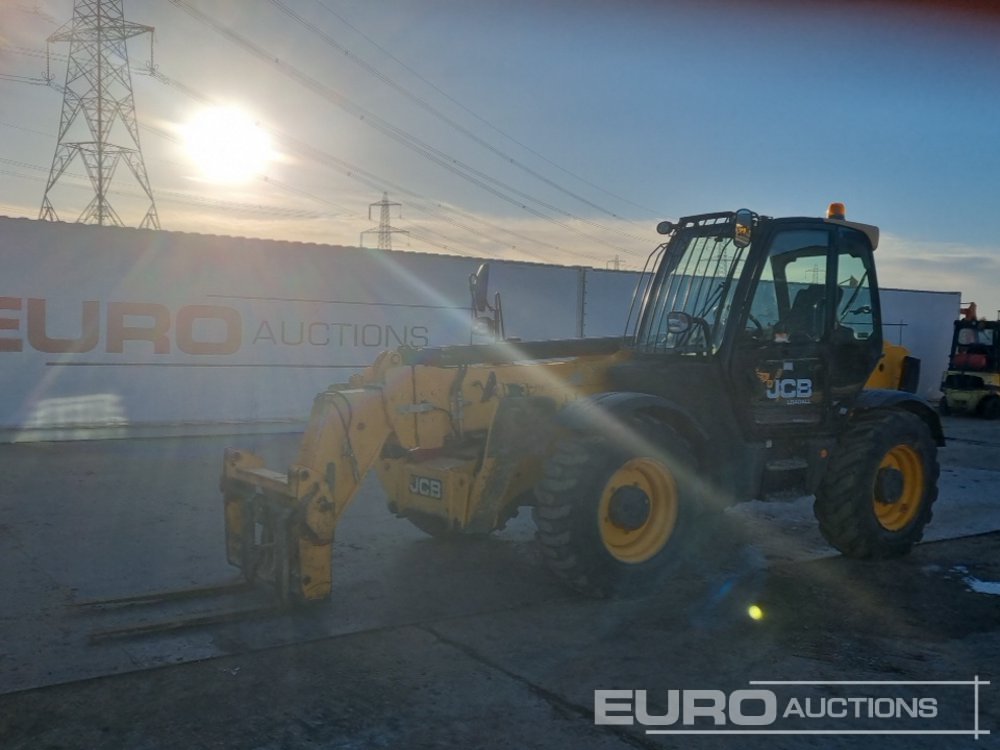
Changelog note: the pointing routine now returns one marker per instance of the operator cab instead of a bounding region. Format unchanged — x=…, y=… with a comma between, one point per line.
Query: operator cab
x=784, y=311
x=976, y=346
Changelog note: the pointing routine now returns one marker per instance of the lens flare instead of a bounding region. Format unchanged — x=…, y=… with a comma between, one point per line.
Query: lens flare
x=755, y=612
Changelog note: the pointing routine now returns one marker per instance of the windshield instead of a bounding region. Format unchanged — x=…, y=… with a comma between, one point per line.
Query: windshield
x=973, y=335
x=697, y=279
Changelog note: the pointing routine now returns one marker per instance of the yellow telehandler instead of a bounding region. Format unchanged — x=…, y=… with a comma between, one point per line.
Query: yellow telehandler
x=752, y=365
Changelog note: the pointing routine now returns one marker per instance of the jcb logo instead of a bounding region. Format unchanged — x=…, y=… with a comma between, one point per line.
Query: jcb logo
x=425, y=487
x=790, y=388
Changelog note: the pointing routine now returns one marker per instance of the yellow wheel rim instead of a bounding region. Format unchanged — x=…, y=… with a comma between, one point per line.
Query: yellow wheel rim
x=903, y=502
x=638, y=510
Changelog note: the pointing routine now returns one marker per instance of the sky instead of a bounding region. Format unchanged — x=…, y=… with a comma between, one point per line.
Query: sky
x=549, y=131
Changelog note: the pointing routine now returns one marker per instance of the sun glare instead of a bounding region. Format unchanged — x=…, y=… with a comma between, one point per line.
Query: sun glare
x=226, y=145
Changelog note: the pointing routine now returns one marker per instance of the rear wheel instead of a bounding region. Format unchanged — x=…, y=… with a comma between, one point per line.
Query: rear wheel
x=880, y=486
x=612, y=515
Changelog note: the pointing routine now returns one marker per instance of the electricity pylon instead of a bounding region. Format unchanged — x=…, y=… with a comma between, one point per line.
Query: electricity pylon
x=385, y=230
x=99, y=108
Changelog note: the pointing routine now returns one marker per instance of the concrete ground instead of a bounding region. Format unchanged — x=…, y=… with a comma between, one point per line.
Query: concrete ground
x=431, y=644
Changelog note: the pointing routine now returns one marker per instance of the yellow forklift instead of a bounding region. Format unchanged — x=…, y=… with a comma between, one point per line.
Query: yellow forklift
x=971, y=385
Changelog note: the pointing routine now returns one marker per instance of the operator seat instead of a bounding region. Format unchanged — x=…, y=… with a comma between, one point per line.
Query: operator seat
x=807, y=317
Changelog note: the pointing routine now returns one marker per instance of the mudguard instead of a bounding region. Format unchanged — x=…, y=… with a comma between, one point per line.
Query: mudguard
x=736, y=465
x=590, y=414
x=880, y=398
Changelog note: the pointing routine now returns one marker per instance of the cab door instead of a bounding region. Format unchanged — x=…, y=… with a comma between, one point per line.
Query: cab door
x=809, y=328
x=778, y=358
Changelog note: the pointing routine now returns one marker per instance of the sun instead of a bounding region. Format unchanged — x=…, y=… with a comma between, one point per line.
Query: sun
x=226, y=145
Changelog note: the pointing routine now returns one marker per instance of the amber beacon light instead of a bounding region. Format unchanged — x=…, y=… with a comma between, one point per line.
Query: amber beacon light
x=836, y=211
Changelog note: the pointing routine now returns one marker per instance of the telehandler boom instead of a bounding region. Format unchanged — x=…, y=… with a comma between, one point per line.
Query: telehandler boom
x=753, y=366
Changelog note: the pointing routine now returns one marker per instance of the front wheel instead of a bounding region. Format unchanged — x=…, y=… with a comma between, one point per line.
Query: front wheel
x=613, y=515
x=880, y=486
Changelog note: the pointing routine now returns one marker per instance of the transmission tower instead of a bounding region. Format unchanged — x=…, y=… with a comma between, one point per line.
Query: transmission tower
x=384, y=230
x=98, y=121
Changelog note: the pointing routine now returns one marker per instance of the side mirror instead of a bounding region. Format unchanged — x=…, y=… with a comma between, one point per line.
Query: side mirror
x=743, y=227
x=479, y=283
x=484, y=325
x=665, y=227
x=679, y=322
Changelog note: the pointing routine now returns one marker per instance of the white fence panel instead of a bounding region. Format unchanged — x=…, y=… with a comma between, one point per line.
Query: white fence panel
x=109, y=327
x=607, y=301
x=922, y=322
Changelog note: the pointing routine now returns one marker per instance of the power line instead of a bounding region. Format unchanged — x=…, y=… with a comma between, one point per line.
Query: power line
x=423, y=234
x=24, y=79
x=37, y=11
x=420, y=202
x=479, y=118
x=428, y=107
x=430, y=207
x=173, y=196
x=33, y=52
x=360, y=174
x=450, y=163
x=271, y=181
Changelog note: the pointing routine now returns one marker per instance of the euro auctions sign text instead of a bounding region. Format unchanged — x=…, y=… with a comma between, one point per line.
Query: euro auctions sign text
x=773, y=707
x=193, y=329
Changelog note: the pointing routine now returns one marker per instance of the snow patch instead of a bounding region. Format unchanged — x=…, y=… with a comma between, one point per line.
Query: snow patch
x=982, y=587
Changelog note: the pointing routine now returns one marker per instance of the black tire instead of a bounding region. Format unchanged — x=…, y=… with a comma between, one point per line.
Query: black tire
x=585, y=484
x=880, y=486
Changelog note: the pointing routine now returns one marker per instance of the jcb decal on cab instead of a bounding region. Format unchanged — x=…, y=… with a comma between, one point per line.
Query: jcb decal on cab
x=790, y=388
